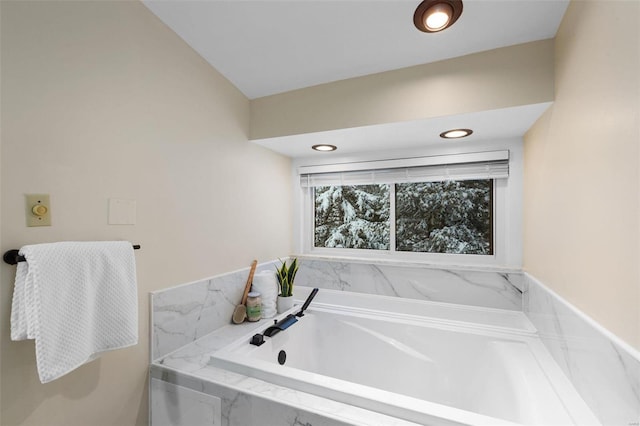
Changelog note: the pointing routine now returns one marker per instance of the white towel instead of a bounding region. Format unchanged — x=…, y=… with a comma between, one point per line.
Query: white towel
x=76, y=299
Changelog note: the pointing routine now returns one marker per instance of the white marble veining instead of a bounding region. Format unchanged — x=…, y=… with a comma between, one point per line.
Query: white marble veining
x=604, y=370
x=196, y=354
x=191, y=321
x=183, y=314
x=249, y=401
x=173, y=405
x=462, y=286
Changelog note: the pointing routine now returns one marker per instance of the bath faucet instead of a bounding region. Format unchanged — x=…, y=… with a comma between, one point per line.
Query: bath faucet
x=283, y=324
x=287, y=321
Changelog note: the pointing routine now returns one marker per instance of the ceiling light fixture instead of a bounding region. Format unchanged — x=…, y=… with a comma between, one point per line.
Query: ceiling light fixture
x=432, y=16
x=324, y=147
x=456, y=133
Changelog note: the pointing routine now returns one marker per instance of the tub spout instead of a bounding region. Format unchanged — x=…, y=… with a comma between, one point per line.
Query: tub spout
x=274, y=329
x=285, y=323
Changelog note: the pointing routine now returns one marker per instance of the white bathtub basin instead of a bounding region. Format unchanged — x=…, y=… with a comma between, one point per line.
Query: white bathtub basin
x=431, y=366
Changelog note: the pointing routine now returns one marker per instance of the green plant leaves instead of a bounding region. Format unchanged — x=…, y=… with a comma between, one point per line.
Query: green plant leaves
x=286, y=275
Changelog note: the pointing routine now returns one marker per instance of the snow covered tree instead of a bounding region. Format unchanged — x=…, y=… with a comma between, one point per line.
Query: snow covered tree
x=352, y=216
x=444, y=217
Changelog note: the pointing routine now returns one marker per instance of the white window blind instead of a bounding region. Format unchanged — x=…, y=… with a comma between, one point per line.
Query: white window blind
x=485, y=165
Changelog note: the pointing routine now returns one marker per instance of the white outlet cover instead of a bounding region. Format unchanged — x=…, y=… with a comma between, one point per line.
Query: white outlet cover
x=122, y=212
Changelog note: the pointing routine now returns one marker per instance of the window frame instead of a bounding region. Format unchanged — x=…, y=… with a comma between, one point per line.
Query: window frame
x=392, y=253
x=506, y=219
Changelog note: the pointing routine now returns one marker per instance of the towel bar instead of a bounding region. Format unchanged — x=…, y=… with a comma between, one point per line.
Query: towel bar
x=12, y=257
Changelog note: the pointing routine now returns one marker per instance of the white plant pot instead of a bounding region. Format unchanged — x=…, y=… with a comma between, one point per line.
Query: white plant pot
x=284, y=303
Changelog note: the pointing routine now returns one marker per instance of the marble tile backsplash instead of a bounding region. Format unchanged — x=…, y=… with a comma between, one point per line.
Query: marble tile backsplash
x=183, y=314
x=605, y=371
x=463, y=286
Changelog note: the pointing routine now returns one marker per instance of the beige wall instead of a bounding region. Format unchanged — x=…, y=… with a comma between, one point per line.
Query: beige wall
x=500, y=78
x=100, y=100
x=582, y=161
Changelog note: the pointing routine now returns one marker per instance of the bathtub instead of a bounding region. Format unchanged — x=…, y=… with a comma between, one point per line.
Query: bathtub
x=430, y=363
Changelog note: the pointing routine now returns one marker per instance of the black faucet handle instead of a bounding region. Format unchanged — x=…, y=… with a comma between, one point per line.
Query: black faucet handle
x=257, y=339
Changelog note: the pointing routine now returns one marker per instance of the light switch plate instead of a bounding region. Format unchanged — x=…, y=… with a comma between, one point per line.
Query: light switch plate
x=122, y=212
x=38, y=209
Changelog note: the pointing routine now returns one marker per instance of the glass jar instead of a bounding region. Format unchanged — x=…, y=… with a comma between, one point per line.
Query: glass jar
x=254, y=306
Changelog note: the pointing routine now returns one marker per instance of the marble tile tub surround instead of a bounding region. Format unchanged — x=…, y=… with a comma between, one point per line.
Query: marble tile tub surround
x=183, y=314
x=491, y=288
x=247, y=401
x=604, y=369
x=250, y=401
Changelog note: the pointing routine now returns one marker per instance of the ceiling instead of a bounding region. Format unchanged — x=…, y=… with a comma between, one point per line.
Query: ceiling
x=495, y=124
x=266, y=47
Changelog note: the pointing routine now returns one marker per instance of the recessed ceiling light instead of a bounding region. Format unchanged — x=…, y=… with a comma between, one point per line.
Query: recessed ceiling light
x=324, y=147
x=432, y=16
x=456, y=133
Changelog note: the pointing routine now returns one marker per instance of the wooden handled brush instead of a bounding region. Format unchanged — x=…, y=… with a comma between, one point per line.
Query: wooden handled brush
x=240, y=313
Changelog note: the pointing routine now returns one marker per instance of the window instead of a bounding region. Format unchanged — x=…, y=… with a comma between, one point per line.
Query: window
x=434, y=217
x=445, y=217
x=429, y=208
x=352, y=216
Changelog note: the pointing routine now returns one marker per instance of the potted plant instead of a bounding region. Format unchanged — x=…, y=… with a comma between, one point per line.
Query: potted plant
x=286, y=274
